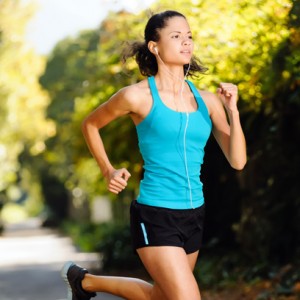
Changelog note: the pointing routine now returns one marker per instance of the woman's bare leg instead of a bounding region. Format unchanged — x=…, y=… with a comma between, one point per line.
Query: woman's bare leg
x=172, y=271
x=136, y=289
x=157, y=293
x=125, y=287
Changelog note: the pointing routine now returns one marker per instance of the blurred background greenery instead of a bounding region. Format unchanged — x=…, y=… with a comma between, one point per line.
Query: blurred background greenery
x=253, y=216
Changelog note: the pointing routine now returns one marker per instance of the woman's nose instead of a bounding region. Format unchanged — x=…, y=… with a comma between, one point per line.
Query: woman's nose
x=186, y=41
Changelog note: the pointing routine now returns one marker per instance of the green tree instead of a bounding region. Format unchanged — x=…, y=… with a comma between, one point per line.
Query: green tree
x=80, y=74
x=23, y=103
x=271, y=209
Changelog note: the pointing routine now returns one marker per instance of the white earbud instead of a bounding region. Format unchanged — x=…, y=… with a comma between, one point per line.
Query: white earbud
x=155, y=49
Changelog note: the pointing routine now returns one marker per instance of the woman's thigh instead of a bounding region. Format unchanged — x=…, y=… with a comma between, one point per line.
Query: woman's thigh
x=172, y=271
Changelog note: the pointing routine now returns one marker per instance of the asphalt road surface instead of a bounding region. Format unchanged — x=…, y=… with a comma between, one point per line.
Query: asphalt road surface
x=30, y=263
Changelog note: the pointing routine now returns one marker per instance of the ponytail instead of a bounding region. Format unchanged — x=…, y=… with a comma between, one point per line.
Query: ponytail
x=144, y=58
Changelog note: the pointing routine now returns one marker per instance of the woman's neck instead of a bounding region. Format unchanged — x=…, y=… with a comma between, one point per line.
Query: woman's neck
x=170, y=77
x=169, y=83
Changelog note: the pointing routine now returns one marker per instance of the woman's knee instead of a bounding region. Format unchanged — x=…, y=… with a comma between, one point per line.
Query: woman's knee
x=184, y=292
x=191, y=294
x=157, y=293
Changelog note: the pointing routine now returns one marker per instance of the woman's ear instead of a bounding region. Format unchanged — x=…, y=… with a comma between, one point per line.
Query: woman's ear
x=153, y=48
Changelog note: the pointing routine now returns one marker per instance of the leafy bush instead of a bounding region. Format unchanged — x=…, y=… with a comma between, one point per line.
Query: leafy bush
x=116, y=249
x=111, y=240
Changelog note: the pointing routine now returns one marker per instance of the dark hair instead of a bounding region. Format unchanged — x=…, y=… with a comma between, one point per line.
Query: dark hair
x=145, y=59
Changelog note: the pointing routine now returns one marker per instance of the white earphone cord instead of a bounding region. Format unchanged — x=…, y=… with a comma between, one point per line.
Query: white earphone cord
x=184, y=140
x=185, y=128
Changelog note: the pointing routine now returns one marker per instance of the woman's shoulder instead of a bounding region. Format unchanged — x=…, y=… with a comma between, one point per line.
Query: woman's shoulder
x=208, y=96
x=136, y=88
x=132, y=97
x=135, y=91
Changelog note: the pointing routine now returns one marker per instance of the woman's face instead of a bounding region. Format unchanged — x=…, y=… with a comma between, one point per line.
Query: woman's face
x=176, y=44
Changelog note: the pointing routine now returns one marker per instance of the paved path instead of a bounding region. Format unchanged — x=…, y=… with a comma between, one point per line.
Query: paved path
x=30, y=263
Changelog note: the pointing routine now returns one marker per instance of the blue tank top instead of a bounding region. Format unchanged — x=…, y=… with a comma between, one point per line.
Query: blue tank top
x=170, y=180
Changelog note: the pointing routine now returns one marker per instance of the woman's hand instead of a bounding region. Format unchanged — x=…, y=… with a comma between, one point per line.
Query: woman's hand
x=117, y=180
x=228, y=93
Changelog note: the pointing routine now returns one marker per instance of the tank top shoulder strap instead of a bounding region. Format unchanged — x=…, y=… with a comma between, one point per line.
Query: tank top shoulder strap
x=201, y=104
x=153, y=89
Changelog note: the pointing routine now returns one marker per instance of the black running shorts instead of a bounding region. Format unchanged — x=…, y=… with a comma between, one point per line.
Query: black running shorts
x=156, y=226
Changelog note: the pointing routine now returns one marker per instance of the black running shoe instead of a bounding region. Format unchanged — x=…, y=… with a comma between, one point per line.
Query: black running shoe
x=73, y=275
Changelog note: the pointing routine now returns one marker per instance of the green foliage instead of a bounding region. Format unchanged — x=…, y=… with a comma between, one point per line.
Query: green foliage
x=220, y=271
x=90, y=72
x=271, y=207
x=86, y=236
x=23, y=124
x=236, y=40
x=116, y=249
x=111, y=240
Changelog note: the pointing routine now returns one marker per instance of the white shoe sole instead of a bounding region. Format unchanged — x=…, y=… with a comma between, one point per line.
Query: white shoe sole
x=63, y=273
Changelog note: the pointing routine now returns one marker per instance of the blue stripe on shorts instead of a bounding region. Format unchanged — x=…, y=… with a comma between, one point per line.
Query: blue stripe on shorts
x=145, y=233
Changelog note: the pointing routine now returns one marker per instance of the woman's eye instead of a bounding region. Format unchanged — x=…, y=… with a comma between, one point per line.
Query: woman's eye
x=190, y=37
x=175, y=36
